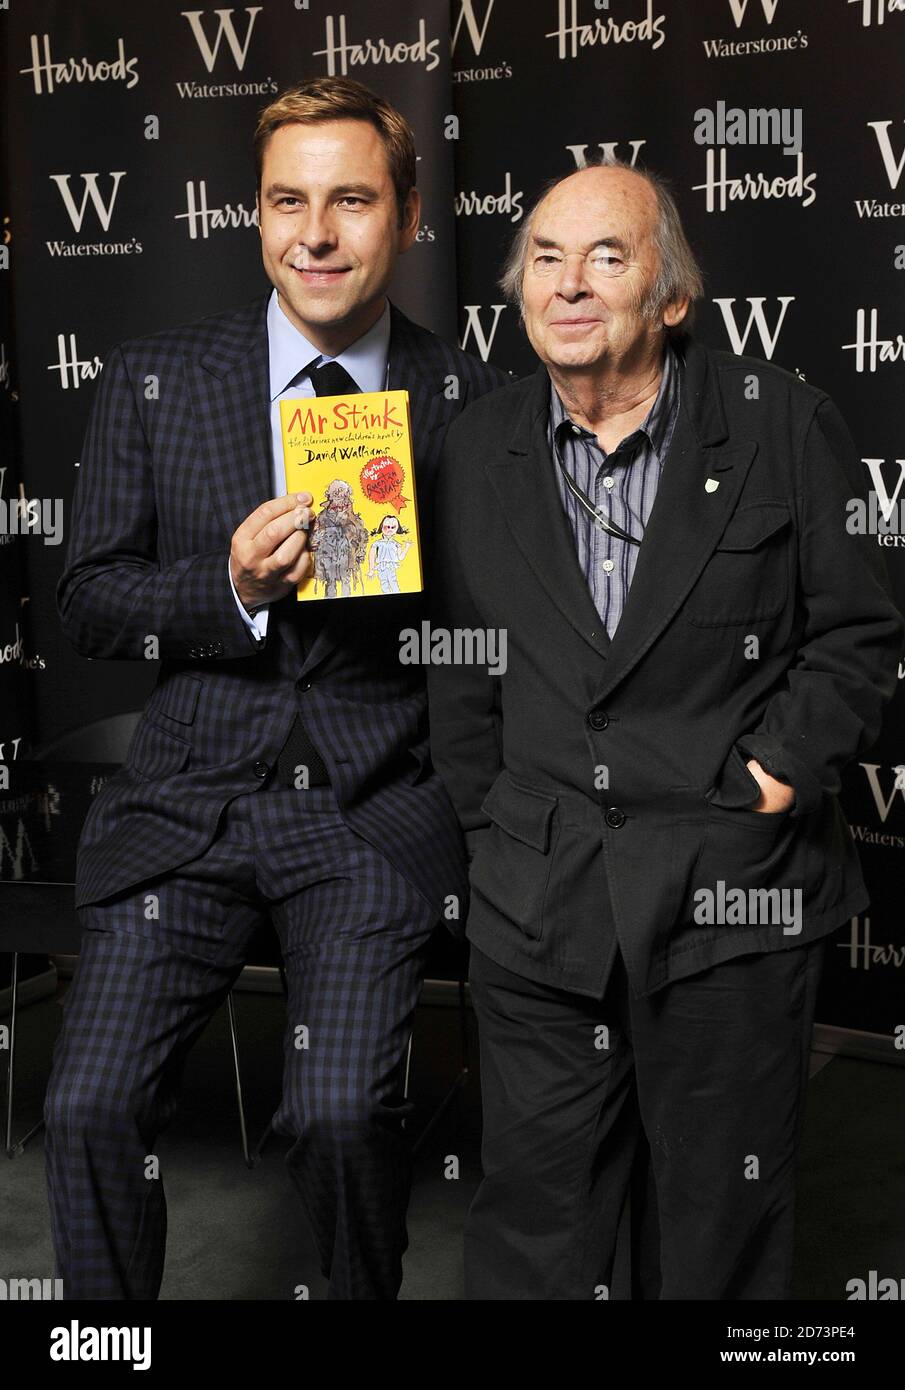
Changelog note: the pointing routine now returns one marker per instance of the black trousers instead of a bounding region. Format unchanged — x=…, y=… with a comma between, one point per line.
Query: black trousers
x=710, y=1073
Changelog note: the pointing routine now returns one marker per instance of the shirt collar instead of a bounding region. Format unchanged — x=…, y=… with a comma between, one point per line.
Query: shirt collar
x=656, y=423
x=291, y=353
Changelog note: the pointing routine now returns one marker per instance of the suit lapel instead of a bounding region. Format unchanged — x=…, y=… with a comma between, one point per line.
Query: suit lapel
x=230, y=390
x=686, y=521
x=525, y=485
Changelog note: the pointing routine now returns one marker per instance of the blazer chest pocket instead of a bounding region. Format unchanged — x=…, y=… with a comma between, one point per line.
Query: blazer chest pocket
x=511, y=868
x=155, y=753
x=746, y=579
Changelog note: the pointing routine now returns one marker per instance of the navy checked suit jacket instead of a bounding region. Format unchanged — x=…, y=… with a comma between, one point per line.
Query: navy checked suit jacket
x=163, y=484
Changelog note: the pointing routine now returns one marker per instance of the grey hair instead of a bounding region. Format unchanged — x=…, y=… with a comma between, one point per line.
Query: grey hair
x=678, y=276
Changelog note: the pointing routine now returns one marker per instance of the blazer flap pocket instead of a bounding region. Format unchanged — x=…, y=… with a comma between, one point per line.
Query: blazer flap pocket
x=752, y=525
x=154, y=752
x=177, y=698
x=521, y=812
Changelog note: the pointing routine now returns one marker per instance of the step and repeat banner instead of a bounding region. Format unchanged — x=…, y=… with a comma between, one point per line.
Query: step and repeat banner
x=128, y=205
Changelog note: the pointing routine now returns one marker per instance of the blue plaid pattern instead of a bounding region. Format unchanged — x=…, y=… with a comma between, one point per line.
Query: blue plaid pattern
x=353, y=933
x=177, y=454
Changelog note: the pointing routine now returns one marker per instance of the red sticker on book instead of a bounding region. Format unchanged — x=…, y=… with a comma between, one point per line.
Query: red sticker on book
x=381, y=482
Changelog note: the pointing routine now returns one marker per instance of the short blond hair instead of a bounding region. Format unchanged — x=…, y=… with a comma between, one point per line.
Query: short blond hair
x=341, y=99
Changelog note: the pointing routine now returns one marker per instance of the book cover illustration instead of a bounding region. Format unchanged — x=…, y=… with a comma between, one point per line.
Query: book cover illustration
x=354, y=455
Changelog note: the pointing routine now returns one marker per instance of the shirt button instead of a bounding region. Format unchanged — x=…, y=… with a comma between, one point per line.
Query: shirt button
x=261, y=770
x=615, y=818
x=304, y=685
x=598, y=719
x=609, y=482
x=609, y=566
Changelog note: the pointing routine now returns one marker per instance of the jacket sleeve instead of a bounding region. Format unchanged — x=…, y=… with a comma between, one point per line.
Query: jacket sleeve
x=113, y=596
x=465, y=713
x=829, y=710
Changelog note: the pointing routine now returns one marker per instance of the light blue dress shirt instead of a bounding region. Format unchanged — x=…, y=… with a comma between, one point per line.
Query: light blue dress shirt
x=291, y=356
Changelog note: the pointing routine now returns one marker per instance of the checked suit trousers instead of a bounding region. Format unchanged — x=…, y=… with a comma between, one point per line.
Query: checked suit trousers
x=158, y=960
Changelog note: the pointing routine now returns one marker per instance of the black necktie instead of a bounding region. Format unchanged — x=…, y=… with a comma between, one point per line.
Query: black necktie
x=298, y=751
x=332, y=380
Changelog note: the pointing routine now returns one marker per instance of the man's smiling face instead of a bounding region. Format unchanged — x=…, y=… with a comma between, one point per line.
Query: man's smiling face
x=329, y=224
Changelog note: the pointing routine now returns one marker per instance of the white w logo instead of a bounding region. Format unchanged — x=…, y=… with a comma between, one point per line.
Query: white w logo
x=609, y=147
x=476, y=35
x=887, y=503
x=226, y=27
x=755, y=316
x=738, y=8
x=474, y=327
x=883, y=806
x=104, y=210
x=893, y=170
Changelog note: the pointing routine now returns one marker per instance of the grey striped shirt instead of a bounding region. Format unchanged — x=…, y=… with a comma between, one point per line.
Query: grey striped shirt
x=623, y=484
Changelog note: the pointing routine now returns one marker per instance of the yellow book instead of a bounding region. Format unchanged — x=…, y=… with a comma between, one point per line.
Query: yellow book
x=354, y=455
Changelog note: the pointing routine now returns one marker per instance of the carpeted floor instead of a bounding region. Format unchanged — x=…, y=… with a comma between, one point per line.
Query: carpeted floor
x=236, y=1233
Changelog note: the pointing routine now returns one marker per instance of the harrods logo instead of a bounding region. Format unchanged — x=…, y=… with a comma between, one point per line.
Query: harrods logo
x=342, y=53
x=876, y=11
x=470, y=203
x=201, y=219
x=721, y=189
x=871, y=351
x=894, y=166
x=575, y=32
x=48, y=73
x=863, y=954
x=756, y=319
x=72, y=368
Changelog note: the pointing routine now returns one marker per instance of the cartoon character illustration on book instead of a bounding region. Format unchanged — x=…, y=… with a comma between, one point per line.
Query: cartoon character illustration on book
x=387, y=554
x=339, y=542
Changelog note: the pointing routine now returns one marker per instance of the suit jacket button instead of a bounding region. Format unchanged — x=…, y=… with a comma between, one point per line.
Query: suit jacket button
x=261, y=770
x=598, y=719
x=615, y=818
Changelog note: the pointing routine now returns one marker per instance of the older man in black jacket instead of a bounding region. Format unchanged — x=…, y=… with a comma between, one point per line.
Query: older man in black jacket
x=695, y=648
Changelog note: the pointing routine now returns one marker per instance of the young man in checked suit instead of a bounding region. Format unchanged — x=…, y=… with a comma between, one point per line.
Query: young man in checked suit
x=174, y=541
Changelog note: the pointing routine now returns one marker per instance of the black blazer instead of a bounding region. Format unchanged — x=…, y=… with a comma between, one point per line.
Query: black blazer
x=602, y=783
x=167, y=474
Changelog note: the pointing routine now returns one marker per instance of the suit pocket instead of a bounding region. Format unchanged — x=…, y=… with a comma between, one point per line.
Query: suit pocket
x=511, y=868
x=746, y=579
x=176, y=697
x=154, y=753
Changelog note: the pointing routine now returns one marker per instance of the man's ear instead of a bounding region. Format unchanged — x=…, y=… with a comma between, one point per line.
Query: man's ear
x=411, y=219
x=675, y=312
x=258, y=210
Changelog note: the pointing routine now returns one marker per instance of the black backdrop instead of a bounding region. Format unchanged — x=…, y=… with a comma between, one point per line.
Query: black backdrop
x=128, y=191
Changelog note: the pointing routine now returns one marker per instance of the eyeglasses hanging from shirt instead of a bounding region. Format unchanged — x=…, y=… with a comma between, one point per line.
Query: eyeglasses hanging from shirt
x=597, y=516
